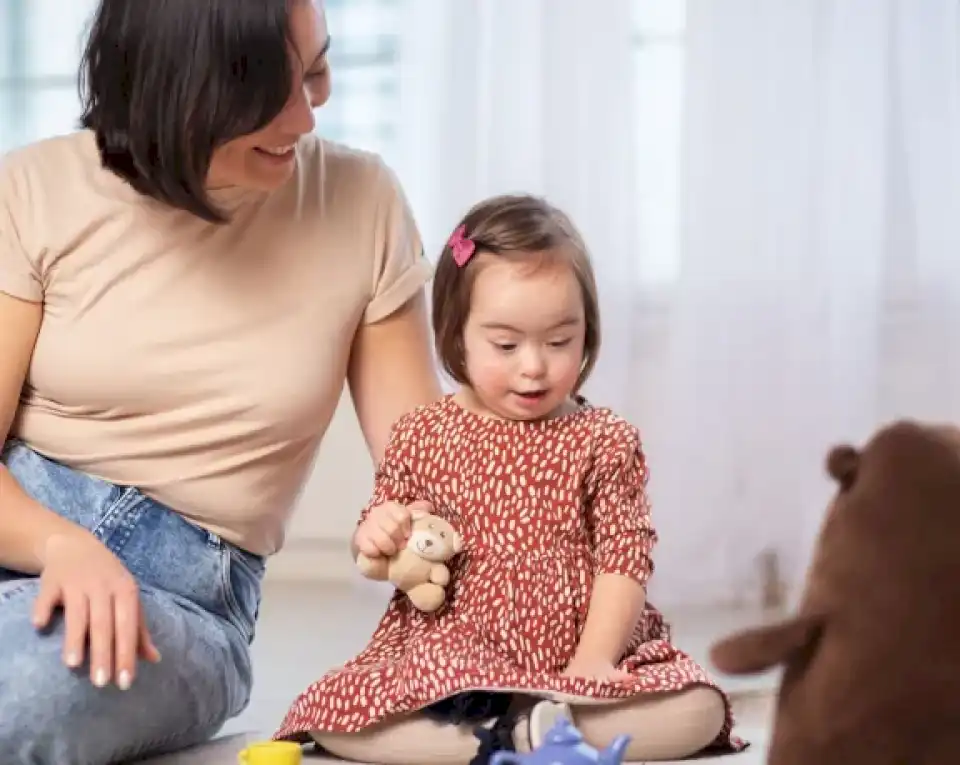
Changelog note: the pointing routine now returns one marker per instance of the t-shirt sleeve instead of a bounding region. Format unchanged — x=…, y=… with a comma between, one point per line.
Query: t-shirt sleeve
x=401, y=268
x=618, y=511
x=18, y=274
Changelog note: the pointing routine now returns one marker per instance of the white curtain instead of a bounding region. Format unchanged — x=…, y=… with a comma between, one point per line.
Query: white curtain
x=820, y=276
x=819, y=288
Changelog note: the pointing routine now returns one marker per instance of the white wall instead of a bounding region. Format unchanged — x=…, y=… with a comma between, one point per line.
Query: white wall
x=340, y=484
x=318, y=536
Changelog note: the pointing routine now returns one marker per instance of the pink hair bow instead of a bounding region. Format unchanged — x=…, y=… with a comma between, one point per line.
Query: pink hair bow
x=461, y=246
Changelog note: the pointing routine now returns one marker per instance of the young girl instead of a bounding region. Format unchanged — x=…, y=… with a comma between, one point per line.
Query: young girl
x=546, y=611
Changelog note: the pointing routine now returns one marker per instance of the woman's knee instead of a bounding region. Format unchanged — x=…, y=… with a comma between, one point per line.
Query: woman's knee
x=662, y=726
x=48, y=713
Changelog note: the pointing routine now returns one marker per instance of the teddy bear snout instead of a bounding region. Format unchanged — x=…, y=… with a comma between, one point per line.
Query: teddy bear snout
x=429, y=546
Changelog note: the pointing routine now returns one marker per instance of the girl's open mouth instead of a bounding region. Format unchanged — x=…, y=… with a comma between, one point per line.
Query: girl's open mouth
x=532, y=395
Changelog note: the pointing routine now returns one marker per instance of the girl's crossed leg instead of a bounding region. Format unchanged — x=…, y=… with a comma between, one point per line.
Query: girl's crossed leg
x=662, y=726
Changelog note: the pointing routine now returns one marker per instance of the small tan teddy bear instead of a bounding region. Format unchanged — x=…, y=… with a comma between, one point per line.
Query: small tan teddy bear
x=419, y=569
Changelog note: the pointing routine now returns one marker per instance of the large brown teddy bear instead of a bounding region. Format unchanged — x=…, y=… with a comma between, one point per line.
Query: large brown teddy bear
x=872, y=658
x=419, y=569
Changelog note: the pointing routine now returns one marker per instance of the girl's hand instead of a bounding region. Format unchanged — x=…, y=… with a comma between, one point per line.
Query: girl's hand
x=387, y=528
x=594, y=669
x=101, y=602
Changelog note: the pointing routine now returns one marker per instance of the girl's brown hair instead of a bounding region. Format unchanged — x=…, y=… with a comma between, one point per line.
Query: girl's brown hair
x=522, y=229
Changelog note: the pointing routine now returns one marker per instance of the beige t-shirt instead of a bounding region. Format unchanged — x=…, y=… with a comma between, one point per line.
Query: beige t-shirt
x=200, y=363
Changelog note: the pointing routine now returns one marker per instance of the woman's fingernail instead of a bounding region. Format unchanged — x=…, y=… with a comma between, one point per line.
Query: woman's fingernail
x=100, y=679
x=124, y=681
x=73, y=660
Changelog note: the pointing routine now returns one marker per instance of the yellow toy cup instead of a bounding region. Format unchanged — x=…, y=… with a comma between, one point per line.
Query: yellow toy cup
x=272, y=753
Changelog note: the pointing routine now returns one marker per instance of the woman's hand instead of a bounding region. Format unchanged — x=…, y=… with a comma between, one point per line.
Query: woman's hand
x=386, y=528
x=101, y=602
x=594, y=669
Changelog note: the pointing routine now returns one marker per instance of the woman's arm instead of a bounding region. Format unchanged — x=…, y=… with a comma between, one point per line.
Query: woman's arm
x=25, y=525
x=392, y=371
x=77, y=571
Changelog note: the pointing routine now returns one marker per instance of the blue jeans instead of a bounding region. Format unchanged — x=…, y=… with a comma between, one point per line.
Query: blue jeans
x=200, y=597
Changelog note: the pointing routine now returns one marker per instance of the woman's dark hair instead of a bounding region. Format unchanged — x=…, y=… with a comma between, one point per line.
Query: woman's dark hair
x=165, y=82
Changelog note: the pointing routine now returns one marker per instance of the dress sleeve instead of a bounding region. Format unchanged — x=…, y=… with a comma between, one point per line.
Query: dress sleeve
x=19, y=276
x=393, y=480
x=400, y=267
x=618, y=512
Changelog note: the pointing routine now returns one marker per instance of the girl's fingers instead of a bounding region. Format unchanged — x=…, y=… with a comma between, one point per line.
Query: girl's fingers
x=419, y=508
x=366, y=545
x=402, y=523
x=383, y=541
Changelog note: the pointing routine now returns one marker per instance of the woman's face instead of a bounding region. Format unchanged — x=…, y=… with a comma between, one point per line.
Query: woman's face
x=266, y=159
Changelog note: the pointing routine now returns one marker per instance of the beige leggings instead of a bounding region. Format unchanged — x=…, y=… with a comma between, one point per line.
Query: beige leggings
x=669, y=726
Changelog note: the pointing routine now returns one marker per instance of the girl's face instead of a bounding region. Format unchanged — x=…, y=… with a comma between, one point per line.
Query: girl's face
x=524, y=340
x=266, y=159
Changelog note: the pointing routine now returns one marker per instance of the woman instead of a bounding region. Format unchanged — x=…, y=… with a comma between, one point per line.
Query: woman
x=185, y=285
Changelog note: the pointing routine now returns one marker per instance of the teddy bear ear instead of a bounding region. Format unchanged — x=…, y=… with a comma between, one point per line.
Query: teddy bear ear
x=419, y=510
x=843, y=463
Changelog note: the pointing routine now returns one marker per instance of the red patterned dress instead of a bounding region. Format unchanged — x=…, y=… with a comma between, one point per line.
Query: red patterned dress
x=543, y=507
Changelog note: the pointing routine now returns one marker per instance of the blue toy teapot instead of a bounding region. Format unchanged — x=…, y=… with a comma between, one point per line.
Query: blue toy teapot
x=564, y=745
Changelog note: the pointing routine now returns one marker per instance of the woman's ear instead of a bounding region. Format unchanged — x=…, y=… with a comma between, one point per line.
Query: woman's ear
x=762, y=648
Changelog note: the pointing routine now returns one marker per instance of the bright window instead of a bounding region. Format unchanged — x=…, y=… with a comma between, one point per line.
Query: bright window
x=364, y=61
x=40, y=45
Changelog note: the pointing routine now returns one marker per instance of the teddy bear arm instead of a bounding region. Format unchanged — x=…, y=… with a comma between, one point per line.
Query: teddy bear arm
x=440, y=574
x=761, y=648
x=408, y=570
x=427, y=596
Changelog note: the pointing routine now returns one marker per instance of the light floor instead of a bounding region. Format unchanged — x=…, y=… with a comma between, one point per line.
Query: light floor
x=306, y=629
